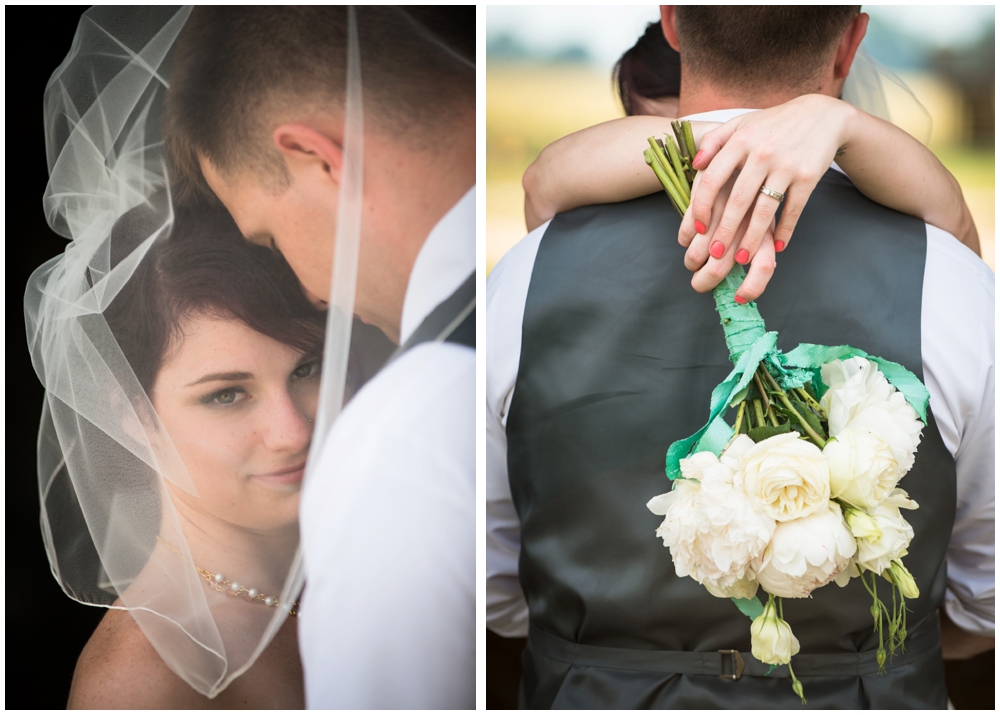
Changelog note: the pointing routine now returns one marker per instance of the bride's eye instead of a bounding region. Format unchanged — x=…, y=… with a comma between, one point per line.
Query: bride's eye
x=306, y=370
x=227, y=397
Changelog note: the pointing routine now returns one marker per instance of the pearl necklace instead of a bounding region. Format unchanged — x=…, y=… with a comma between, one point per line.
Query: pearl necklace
x=231, y=588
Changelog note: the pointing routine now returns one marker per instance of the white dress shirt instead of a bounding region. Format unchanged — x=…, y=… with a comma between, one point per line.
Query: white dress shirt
x=957, y=350
x=388, y=522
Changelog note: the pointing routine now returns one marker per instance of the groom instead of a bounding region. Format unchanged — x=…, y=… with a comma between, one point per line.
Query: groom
x=256, y=117
x=599, y=355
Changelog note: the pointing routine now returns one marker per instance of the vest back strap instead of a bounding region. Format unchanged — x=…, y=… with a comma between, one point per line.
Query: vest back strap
x=729, y=664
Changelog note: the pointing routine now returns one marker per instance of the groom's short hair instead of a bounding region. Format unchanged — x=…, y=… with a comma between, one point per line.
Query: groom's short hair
x=237, y=70
x=754, y=46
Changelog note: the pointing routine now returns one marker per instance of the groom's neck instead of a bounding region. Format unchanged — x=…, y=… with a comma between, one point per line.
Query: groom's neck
x=700, y=96
x=407, y=192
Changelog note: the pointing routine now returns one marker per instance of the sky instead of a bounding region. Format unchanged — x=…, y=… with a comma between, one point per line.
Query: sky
x=607, y=31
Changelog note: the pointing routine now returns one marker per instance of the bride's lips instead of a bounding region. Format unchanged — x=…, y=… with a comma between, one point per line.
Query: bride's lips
x=289, y=476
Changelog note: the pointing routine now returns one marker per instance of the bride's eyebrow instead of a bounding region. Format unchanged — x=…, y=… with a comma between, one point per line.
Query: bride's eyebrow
x=220, y=376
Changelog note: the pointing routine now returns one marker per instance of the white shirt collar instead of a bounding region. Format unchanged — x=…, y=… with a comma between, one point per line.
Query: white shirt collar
x=445, y=260
x=724, y=115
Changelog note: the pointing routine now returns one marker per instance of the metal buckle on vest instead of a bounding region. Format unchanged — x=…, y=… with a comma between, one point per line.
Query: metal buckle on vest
x=738, y=665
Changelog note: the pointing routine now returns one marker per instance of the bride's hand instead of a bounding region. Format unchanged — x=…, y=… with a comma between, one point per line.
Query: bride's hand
x=709, y=270
x=786, y=148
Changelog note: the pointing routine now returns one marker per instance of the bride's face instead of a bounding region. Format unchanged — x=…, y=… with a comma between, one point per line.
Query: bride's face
x=238, y=407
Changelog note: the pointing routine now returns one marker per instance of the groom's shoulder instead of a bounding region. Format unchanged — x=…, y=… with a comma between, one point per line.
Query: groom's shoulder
x=952, y=263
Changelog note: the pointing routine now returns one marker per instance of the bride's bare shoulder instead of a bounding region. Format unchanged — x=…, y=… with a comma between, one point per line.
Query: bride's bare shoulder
x=119, y=668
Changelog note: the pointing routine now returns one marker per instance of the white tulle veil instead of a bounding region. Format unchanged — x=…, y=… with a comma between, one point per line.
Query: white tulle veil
x=874, y=88
x=110, y=476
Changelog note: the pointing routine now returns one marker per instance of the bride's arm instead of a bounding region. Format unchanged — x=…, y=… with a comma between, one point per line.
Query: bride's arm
x=789, y=148
x=597, y=165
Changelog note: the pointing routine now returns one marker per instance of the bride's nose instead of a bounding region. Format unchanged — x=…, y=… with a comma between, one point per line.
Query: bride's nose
x=287, y=426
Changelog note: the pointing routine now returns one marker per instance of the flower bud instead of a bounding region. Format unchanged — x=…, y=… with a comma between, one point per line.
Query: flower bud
x=900, y=576
x=771, y=638
x=862, y=525
x=880, y=657
x=797, y=687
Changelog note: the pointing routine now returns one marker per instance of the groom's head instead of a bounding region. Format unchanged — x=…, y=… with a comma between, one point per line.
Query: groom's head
x=255, y=116
x=761, y=55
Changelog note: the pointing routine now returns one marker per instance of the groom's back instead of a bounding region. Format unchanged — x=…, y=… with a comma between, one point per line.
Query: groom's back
x=618, y=359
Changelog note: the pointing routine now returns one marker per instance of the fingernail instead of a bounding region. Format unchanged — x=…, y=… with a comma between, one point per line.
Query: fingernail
x=742, y=256
x=741, y=300
x=779, y=246
x=716, y=250
x=697, y=158
x=699, y=226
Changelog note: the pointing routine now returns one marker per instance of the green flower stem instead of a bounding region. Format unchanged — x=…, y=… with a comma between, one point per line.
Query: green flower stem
x=820, y=442
x=760, y=388
x=810, y=400
x=678, y=193
x=675, y=158
x=739, y=418
x=689, y=141
x=668, y=185
x=759, y=412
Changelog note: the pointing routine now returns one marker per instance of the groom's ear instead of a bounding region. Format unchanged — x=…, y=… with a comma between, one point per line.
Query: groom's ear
x=309, y=152
x=668, y=21
x=848, y=47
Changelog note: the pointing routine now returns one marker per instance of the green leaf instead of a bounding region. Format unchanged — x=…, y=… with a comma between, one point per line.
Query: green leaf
x=759, y=434
x=739, y=397
x=808, y=415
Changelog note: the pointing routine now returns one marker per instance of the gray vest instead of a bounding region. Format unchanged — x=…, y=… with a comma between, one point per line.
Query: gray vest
x=618, y=359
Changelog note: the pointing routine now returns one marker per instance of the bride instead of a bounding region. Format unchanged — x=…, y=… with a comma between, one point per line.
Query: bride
x=227, y=349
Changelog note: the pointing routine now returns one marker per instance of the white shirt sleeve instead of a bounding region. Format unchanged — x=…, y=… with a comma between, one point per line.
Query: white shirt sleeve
x=506, y=291
x=388, y=520
x=957, y=347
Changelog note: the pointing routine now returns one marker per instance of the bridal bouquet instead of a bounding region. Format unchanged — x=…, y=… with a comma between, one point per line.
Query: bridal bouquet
x=802, y=489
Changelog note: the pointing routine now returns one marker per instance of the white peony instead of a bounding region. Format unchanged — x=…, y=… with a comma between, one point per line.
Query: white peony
x=771, y=638
x=863, y=469
x=712, y=530
x=786, y=477
x=877, y=554
x=806, y=553
x=860, y=398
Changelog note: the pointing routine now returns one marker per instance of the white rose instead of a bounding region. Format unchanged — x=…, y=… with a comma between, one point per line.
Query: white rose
x=860, y=398
x=712, y=530
x=771, y=638
x=877, y=555
x=786, y=477
x=806, y=553
x=863, y=469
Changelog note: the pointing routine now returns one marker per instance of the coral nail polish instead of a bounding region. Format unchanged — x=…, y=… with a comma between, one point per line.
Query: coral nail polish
x=740, y=299
x=697, y=157
x=779, y=246
x=699, y=226
x=742, y=256
x=716, y=250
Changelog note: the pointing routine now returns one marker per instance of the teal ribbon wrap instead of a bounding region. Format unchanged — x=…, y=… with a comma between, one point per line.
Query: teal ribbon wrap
x=750, y=345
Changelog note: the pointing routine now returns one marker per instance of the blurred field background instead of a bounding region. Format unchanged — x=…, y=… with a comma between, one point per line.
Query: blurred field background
x=548, y=74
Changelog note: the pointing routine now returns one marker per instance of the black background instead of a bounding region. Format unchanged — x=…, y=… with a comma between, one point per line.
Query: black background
x=45, y=629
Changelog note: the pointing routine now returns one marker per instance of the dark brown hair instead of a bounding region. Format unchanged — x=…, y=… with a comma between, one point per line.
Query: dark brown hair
x=237, y=69
x=650, y=69
x=206, y=267
x=760, y=45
